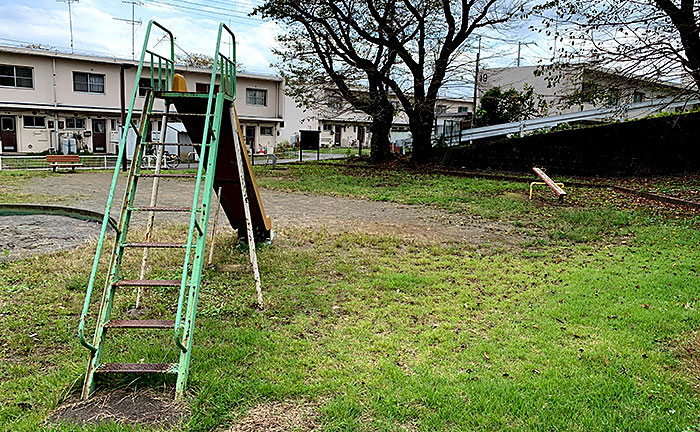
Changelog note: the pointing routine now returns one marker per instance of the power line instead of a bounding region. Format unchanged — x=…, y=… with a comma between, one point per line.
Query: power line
x=204, y=11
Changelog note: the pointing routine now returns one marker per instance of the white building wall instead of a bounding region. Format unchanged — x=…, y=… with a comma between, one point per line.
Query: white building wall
x=62, y=101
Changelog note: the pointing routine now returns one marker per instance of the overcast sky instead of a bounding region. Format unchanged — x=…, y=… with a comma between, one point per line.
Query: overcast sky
x=95, y=31
x=194, y=24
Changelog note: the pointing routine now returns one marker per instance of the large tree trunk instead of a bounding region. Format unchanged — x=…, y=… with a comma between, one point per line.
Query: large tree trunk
x=381, y=128
x=379, y=143
x=421, y=125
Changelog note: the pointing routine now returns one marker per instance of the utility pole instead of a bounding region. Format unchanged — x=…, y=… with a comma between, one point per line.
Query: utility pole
x=70, y=19
x=476, y=85
x=519, y=45
x=133, y=23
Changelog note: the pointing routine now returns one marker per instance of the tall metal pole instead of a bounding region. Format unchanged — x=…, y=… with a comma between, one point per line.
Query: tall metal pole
x=70, y=19
x=133, y=23
x=476, y=85
x=519, y=44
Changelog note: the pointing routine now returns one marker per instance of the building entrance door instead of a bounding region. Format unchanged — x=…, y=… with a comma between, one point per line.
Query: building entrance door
x=99, y=136
x=338, y=132
x=250, y=137
x=8, y=134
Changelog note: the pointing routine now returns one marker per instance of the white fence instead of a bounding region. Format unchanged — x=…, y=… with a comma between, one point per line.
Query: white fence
x=626, y=111
x=39, y=162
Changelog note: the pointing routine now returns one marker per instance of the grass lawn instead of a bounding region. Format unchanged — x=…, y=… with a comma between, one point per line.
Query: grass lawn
x=591, y=324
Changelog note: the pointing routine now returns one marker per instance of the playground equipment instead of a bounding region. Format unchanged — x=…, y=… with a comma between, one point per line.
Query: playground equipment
x=212, y=123
x=556, y=187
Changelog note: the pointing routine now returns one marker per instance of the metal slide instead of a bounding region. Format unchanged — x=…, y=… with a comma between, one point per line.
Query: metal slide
x=212, y=124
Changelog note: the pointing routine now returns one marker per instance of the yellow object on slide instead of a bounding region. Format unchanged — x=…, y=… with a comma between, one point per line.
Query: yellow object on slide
x=179, y=84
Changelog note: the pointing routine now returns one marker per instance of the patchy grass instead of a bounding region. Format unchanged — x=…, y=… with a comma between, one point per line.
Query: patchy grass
x=386, y=334
x=594, y=329
x=590, y=214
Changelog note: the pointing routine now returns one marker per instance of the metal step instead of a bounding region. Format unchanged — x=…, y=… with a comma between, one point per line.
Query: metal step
x=166, y=368
x=161, y=209
x=168, y=175
x=189, y=115
x=154, y=245
x=141, y=324
x=156, y=143
x=148, y=282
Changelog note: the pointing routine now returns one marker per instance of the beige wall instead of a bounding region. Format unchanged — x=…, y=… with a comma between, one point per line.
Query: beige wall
x=40, y=100
x=555, y=87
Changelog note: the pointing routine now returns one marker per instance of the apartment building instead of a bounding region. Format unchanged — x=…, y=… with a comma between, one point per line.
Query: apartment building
x=51, y=101
x=343, y=126
x=573, y=88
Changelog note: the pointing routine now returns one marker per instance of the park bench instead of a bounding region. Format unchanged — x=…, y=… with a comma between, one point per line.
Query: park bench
x=556, y=187
x=63, y=161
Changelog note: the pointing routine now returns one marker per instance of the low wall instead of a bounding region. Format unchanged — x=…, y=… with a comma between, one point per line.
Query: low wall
x=656, y=146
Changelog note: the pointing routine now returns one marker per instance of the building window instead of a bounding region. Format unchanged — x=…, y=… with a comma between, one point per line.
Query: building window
x=266, y=130
x=327, y=127
x=256, y=97
x=34, y=122
x=88, y=83
x=638, y=97
x=204, y=87
x=335, y=102
x=75, y=123
x=16, y=76
x=614, y=97
x=145, y=85
x=462, y=109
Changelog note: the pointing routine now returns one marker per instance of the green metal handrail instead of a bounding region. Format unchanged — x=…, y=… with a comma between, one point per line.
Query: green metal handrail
x=168, y=72
x=227, y=67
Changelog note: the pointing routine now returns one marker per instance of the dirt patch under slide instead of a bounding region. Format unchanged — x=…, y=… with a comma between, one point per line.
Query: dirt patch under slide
x=125, y=406
x=278, y=416
x=408, y=221
x=88, y=190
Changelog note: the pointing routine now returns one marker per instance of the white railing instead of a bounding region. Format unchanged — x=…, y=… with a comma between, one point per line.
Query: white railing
x=594, y=114
x=39, y=162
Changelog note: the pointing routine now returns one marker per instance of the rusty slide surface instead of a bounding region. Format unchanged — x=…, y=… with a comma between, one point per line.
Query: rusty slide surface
x=226, y=165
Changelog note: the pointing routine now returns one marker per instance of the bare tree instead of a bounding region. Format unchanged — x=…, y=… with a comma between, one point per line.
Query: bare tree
x=202, y=61
x=422, y=36
x=656, y=39
x=319, y=59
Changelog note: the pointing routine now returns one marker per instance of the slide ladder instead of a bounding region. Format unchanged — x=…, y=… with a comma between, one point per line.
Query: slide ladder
x=210, y=120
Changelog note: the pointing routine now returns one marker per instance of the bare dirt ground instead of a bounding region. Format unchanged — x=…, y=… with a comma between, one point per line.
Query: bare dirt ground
x=21, y=236
x=277, y=417
x=126, y=406
x=26, y=235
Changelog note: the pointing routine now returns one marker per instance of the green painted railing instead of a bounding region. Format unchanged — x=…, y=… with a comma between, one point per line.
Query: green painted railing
x=165, y=71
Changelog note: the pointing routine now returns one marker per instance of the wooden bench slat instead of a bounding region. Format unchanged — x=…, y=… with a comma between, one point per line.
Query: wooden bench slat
x=62, y=158
x=63, y=161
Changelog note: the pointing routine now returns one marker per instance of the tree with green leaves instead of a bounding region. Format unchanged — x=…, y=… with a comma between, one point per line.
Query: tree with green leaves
x=498, y=106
